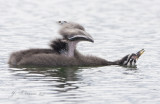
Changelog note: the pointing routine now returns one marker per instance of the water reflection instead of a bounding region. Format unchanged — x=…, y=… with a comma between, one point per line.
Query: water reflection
x=130, y=70
x=55, y=79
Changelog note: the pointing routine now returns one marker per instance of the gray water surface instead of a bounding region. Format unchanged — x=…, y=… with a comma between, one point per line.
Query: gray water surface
x=119, y=27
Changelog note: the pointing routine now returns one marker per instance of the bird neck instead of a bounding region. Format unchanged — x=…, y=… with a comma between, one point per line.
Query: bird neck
x=71, y=48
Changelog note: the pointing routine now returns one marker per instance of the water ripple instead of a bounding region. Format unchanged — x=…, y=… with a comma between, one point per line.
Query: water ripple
x=119, y=27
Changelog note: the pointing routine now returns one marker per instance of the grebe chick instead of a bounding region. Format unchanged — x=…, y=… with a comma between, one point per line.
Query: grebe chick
x=63, y=52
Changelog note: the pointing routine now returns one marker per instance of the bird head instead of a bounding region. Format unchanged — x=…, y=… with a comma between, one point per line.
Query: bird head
x=77, y=35
x=74, y=32
x=131, y=59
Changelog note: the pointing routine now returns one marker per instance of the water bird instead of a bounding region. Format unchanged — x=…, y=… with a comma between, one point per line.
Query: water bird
x=63, y=52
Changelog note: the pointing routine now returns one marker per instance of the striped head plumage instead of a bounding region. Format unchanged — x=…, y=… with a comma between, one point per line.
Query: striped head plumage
x=131, y=59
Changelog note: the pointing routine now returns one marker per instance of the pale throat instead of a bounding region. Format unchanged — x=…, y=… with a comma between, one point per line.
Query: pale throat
x=71, y=48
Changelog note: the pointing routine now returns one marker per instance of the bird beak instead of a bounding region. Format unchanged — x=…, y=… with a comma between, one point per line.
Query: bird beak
x=90, y=39
x=81, y=38
x=139, y=53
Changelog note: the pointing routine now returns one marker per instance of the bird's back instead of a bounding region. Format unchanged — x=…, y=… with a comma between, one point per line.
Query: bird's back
x=18, y=56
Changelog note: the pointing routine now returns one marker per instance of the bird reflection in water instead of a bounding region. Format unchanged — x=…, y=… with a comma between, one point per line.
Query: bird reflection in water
x=55, y=79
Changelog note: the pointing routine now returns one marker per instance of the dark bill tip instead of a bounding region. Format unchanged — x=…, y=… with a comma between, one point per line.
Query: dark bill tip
x=91, y=40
